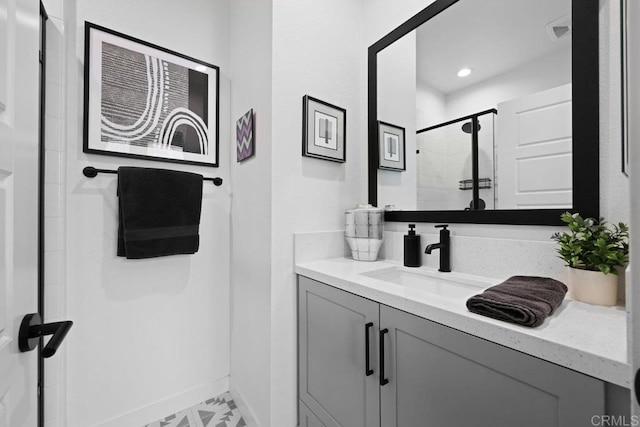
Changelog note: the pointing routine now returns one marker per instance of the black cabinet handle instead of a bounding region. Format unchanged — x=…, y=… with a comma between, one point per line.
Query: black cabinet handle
x=383, y=380
x=32, y=328
x=636, y=385
x=367, y=364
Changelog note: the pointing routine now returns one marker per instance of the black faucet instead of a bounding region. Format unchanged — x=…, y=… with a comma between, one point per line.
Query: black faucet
x=445, y=249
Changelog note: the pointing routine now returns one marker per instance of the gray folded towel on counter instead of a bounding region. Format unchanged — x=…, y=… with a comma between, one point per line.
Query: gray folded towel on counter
x=525, y=300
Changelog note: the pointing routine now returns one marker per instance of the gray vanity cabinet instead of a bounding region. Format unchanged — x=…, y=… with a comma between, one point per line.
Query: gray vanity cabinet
x=437, y=376
x=333, y=330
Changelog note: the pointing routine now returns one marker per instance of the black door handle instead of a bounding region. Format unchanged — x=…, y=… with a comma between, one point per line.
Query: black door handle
x=32, y=328
x=383, y=380
x=367, y=363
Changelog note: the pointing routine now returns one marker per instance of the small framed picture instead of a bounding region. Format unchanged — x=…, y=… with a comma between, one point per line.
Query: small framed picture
x=391, y=147
x=244, y=136
x=142, y=100
x=324, y=128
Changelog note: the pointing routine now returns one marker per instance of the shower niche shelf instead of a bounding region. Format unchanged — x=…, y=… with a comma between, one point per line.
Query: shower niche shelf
x=467, y=184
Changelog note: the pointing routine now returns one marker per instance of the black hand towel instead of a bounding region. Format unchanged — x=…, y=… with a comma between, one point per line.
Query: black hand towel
x=525, y=300
x=159, y=212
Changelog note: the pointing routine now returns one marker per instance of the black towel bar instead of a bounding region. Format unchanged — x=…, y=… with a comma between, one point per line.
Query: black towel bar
x=91, y=172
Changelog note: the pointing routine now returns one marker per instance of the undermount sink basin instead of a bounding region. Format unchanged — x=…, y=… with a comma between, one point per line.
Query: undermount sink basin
x=450, y=285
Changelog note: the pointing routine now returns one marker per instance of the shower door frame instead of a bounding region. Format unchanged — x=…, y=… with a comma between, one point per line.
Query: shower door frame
x=475, y=127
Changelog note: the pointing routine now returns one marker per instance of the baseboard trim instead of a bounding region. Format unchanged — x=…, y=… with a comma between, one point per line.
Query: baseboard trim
x=170, y=405
x=245, y=410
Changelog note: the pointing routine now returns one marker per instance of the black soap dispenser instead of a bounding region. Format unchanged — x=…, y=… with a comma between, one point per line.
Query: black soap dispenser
x=412, y=253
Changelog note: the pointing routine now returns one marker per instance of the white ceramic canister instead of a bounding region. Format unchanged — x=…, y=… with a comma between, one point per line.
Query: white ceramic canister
x=364, y=231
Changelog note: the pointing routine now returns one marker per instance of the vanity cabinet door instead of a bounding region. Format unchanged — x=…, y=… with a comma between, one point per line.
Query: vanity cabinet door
x=308, y=418
x=332, y=330
x=442, y=377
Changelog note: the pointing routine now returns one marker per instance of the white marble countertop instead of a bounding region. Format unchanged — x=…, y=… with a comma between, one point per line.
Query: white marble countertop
x=586, y=338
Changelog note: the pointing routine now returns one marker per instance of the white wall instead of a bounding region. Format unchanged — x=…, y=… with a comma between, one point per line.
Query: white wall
x=382, y=17
x=614, y=185
x=151, y=336
x=317, y=50
x=251, y=212
x=431, y=106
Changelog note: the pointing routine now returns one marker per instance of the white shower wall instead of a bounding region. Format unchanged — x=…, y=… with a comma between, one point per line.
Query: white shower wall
x=54, y=256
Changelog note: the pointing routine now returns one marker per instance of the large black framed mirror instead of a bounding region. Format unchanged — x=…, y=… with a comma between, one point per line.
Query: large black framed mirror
x=516, y=140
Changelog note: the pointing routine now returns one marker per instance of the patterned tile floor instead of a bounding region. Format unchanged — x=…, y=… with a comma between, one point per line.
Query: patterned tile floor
x=220, y=411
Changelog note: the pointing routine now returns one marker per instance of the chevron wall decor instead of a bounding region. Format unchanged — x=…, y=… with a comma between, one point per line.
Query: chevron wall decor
x=244, y=136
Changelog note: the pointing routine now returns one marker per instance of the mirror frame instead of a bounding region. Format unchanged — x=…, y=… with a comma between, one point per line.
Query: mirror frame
x=585, y=125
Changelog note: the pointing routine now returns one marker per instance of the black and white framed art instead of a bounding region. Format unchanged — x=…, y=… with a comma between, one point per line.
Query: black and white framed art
x=145, y=101
x=391, y=147
x=324, y=129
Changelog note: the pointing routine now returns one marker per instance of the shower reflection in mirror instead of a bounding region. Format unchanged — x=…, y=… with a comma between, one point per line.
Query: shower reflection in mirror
x=453, y=157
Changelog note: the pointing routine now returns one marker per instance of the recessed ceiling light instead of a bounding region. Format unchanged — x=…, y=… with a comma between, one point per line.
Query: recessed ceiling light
x=464, y=72
x=201, y=68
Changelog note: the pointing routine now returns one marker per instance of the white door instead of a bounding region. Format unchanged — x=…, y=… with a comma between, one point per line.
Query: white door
x=19, y=111
x=533, y=142
x=633, y=132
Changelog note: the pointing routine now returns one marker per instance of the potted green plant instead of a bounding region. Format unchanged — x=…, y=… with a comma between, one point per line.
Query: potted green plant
x=594, y=250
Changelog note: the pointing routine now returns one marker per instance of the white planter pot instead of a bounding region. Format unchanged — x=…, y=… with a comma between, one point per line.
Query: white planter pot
x=593, y=287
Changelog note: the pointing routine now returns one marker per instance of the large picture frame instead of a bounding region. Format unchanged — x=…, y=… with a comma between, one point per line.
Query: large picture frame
x=324, y=130
x=144, y=101
x=391, y=147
